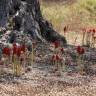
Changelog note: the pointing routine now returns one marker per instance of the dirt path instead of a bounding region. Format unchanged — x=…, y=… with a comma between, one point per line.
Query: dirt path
x=38, y=83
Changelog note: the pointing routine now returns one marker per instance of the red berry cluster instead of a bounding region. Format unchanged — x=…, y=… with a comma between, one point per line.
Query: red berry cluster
x=80, y=50
x=56, y=57
x=15, y=49
x=56, y=43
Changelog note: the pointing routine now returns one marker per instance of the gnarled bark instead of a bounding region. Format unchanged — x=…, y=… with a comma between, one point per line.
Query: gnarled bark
x=27, y=17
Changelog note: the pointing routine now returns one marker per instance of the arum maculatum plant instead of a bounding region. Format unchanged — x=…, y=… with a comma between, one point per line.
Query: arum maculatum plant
x=88, y=37
x=53, y=59
x=84, y=34
x=18, y=57
x=6, y=56
x=56, y=46
x=56, y=49
x=93, y=37
x=58, y=61
x=80, y=51
x=80, y=54
x=62, y=59
x=16, y=61
x=6, y=53
x=62, y=51
x=33, y=51
x=92, y=32
x=57, y=57
x=65, y=30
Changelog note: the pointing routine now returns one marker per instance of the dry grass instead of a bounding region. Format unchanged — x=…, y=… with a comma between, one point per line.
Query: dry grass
x=77, y=15
x=48, y=87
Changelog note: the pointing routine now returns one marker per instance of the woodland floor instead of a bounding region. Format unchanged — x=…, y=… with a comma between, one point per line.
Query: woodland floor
x=43, y=81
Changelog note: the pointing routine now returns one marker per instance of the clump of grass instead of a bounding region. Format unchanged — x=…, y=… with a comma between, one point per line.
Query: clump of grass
x=77, y=15
x=54, y=13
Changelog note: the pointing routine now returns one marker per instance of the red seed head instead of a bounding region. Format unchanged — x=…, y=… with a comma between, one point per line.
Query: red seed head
x=94, y=31
x=14, y=49
x=57, y=57
x=56, y=44
x=6, y=51
x=23, y=47
x=80, y=50
x=65, y=28
x=62, y=50
x=89, y=31
x=18, y=51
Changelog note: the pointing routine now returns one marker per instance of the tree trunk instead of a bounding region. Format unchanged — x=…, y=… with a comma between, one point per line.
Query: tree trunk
x=26, y=16
x=3, y=12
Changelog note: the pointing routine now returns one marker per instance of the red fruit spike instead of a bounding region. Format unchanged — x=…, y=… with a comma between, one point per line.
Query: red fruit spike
x=65, y=29
x=78, y=49
x=14, y=49
x=23, y=47
x=8, y=51
x=18, y=51
x=94, y=30
x=5, y=51
x=62, y=50
x=82, y=51
x=89, y=31
x=56, y=44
